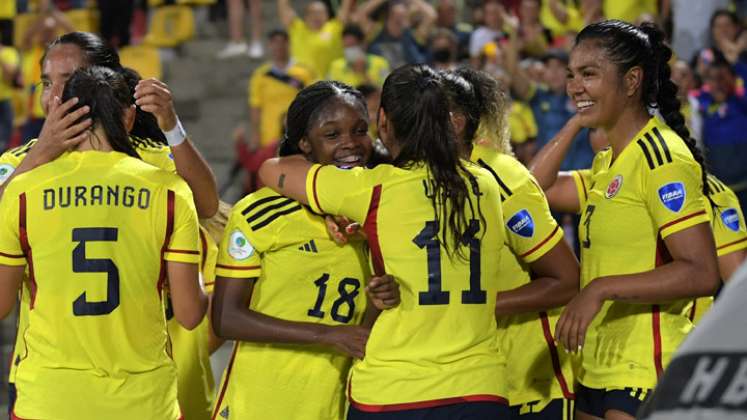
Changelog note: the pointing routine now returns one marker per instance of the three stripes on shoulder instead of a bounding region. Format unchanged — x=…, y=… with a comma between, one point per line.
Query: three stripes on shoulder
x=266, y=210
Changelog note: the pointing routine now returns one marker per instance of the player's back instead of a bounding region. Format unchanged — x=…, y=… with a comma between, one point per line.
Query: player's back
x=94, y=228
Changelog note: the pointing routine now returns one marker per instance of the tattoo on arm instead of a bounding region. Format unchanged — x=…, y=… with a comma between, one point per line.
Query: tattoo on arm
x=281, y=180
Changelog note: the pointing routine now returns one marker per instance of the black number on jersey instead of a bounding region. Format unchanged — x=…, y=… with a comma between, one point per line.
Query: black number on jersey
x=346, y=298
x=428, y=239
x=586, y=243
x=81, y=264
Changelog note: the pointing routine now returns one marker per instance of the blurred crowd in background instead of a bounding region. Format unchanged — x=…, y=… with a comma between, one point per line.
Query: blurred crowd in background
x=523, y=43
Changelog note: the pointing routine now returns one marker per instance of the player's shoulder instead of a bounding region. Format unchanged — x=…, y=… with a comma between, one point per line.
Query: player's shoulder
x=720, y=193
x=265, y=210
x=659, y=146
x=503, y=169
x=262, y=69
x=146, y=145
x=16, y=154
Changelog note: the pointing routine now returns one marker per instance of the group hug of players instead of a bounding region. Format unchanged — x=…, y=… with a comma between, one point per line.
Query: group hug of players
x=431, y=283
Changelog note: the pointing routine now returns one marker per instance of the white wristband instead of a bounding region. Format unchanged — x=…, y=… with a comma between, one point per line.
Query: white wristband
x=176, y=135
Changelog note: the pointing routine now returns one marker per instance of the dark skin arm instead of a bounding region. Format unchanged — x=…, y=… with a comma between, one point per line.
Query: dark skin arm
x=554, y=283
x=286, y=176
x=692, y=273
x=729, y=263
x=232, y=319
x=10, y=281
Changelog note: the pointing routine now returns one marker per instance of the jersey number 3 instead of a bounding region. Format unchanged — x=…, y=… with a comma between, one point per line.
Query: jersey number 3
x=81, y=264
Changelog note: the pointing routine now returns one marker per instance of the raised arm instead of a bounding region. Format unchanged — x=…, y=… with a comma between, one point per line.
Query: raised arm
x=362, y=15
x=520, y=84
x=154, y=96
x=345, y=12
x=232, y=319
x=48, y=19
x=559, y=186
x=428, y=19
x=286, y=13
x=692, y=273
x=559, y=10
x=287, y=176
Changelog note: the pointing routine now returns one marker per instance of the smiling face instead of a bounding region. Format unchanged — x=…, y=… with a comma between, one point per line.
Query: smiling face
x=338, y=134
x=60, y=63
x=597, y=88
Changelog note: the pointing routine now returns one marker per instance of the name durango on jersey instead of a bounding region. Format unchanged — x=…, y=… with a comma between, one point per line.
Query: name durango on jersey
x=96, y=195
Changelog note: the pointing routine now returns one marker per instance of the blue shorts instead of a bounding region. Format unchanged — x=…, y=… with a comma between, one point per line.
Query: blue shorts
x=459, y=411
x=557, y=409
x=597, y=401
x=11, y=398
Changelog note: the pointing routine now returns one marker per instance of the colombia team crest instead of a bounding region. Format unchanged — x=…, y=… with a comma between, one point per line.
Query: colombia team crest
x=672, y=195
x=614, y=187
x=730, y=217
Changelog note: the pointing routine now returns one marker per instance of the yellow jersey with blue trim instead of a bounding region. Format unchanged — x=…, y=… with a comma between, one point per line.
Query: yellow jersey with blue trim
x=537, y=369
x=150, y=151
x=300, y=274
x=439, y=345
x=630, y=204
x=96, y=230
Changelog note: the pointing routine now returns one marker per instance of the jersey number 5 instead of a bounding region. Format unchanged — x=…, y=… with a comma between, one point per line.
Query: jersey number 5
x=81, y=264
x=428, y=239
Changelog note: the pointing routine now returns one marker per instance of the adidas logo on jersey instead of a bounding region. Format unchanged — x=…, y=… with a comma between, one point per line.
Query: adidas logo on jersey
x=309, y=247
x=224, y=413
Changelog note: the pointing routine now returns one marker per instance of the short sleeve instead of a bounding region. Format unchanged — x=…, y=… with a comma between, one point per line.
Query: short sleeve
x=255, y=97
x=8, y=164
x=208, y=256
x=160, y=157
x=11, y=252
x=184, y=245
x=729, y=231
x=582, y=179
x=341, y=192
x=674, y=197
x=237, y=256
x=531, y=230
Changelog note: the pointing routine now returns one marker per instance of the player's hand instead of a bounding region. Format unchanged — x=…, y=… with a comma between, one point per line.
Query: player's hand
x=570, y=330
x=154, y=96
x=349, y=340
x=60, y=131
x=383, y=292
x=342, y=230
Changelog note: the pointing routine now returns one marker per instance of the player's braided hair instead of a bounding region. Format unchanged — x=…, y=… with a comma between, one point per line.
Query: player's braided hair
x=628, y=46
x=417, y=110
x=97, y=53
x=107, y=95
x=306, y=107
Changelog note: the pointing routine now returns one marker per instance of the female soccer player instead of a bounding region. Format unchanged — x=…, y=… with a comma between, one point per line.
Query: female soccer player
x=97, y=348
x=647, y=248
x=544, y=270
x=290, y=296
x=434, y=223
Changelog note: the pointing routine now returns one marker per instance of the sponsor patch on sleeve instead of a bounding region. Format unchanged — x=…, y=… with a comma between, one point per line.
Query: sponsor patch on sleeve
x=672, y=196
x=239, y=247
x=522, y=224
x=6, y=170
x=730, y=217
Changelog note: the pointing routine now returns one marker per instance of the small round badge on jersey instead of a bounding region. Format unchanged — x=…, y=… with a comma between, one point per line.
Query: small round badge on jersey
x=6, y=170
x=730, y=217
x=239, y=247
x=614, y=187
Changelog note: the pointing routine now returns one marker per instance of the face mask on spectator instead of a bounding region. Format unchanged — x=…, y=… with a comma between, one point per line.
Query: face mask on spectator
x=442, y=55
x=353, y=54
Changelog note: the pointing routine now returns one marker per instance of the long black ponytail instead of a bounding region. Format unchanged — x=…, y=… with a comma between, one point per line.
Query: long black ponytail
x=417, y=109
x=107, y=95
x=628, y=46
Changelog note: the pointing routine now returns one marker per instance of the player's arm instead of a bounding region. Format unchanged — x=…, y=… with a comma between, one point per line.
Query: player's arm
x=554, y=283
x=154, y=96
x=286, y=13
x=187, y=297
x=10, y=281
x=729, y=263
x=287, y=176
x=233, y=320
x=559, y=187
x=346, y=9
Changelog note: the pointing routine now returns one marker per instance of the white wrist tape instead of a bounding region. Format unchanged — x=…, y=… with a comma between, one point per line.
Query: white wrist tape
x=176, y=135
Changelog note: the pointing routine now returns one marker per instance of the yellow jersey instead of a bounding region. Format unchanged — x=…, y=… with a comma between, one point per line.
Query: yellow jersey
x=630, y=205
x=7, y=9
x=190, y=349
x=377, y=69
x=77, y=221
x=151, y=152
x=9, y=57
x=31, y=74
x=521, y=122
x=729, y=233
x=316, y=49
x=438, y=346
x=272, y=91
x=536, y=368
x=630, y=10
x=303, y=276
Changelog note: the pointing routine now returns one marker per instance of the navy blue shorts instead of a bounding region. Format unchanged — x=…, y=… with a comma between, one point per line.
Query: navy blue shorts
x=597, y=401
x=460, y=411
x=557, y=409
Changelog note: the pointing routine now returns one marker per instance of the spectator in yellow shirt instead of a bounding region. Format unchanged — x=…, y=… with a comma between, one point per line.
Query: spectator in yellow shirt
x=272, y=88
x=356, y=67
x=316, y=40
